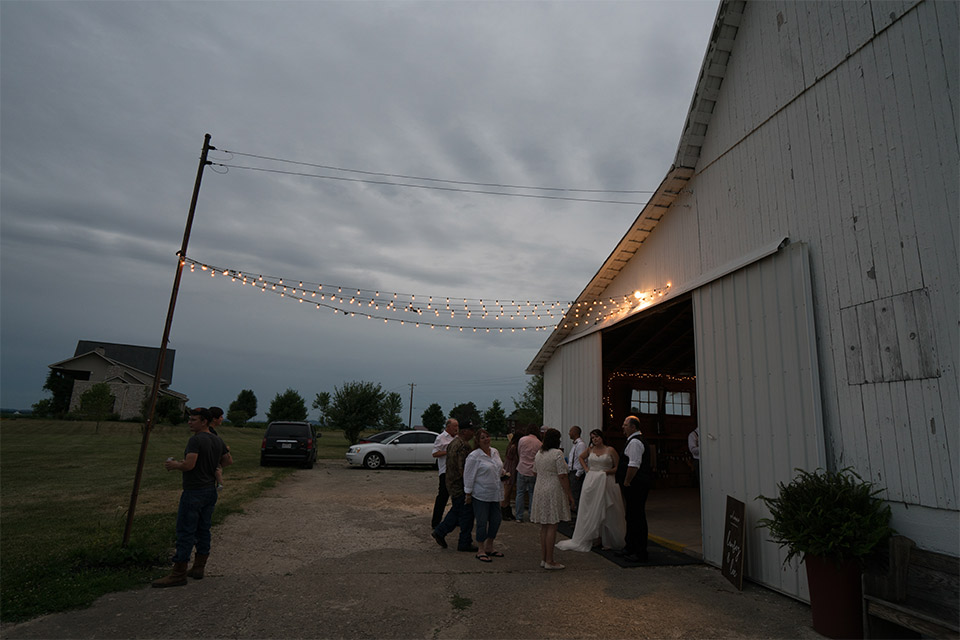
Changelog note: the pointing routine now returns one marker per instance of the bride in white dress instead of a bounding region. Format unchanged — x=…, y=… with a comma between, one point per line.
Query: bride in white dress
x=600, y=514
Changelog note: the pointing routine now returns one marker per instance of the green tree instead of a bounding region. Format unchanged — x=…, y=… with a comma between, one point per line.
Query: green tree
x=168, y=410
x=467, y=412
x=529, y=408
x=243, y=408
x=288, y=405
x=392, y=406
x=355, y=406
x=62, y=389
x=43, y=408
x=494, y=419
x=322, y=402
x=433, y=418
x=96, y=403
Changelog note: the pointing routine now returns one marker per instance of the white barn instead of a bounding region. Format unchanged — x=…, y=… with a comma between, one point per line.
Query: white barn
x=798, y=271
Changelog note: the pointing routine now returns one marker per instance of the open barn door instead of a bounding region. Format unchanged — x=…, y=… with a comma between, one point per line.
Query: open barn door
x=759, y=406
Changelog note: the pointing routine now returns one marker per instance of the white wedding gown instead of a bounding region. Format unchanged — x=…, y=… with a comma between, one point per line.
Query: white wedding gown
x=600, y=513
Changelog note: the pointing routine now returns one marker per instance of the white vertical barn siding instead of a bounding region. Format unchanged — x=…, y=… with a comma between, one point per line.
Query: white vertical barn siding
x=758, y=398
x=581, y=371
x=836, y=125
x=553, y=389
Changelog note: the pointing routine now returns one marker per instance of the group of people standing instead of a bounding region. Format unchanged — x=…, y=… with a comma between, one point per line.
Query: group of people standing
x=471, y=476
x=606, y=491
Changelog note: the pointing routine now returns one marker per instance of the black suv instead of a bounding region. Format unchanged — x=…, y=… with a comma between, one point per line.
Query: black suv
x=290, y=442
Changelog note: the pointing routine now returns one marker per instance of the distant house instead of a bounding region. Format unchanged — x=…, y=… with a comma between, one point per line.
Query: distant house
x=127, y=369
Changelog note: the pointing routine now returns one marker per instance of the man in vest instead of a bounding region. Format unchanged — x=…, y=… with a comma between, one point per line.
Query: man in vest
x=635, y=477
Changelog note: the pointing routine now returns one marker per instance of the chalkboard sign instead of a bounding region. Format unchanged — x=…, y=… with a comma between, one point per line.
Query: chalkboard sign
x=734, y=537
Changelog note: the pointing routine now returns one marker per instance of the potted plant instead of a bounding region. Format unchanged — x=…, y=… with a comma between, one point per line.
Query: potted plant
x=832, y=520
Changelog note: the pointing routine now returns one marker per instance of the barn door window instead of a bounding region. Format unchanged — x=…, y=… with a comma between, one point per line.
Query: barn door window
x=678, y=403
x=644, y=401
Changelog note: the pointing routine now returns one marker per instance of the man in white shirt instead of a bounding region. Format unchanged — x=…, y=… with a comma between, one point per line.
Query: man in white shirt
x=440, y=453
x=574, y=465
x=635, y=477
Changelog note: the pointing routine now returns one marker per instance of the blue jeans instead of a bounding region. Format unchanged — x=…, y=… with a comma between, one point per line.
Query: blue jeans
x=193, y=522
x=524, y=487
x=458, y=516
x=488, y=518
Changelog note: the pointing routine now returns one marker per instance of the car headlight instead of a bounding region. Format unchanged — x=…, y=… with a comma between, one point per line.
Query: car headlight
x=353, y=449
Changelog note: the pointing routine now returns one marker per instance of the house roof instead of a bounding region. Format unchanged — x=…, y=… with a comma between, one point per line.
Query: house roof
x=129, y=374
x=712, y=72
x=140, y=358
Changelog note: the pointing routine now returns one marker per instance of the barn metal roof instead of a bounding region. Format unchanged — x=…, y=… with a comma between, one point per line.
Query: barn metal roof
x=712, y=72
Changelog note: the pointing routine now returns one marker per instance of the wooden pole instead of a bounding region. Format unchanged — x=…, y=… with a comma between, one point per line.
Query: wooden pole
x=155, y=391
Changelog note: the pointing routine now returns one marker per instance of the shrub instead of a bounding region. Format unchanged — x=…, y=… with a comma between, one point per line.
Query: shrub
x=834, y=515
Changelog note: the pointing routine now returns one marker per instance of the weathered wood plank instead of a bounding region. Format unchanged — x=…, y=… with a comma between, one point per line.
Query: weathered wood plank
x=871, y=421
x=921, y=443
x=900, y=416
x=906, y=617
x=889, y=443
x=855, y=130
x=943, y=462
x=859, y=23
x=908, y=181
x=926, y=337
x=869, y=342
x=887, y=339
x=907, y=335
x=877, y=181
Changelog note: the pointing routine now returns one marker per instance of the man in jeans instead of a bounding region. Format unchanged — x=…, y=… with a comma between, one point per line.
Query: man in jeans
x=440, y=453
x=460, y=514
x=527, y=449
x=203, y=453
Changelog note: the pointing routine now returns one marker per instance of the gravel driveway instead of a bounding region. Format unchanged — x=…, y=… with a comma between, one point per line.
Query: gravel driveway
x=337, y=552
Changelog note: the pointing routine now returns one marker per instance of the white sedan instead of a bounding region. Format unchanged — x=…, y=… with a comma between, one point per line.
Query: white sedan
x=406, y=447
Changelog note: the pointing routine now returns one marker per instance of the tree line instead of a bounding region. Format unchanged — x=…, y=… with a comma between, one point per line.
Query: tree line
x=352, y=407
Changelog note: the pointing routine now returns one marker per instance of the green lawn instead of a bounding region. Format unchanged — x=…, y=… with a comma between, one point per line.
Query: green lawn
x=64, y=496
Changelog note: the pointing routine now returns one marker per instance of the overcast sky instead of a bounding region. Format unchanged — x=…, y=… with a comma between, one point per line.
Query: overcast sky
x=103, y=109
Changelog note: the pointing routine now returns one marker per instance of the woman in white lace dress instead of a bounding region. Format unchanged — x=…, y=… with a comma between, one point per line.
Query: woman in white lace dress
x=552, y=499
x=601, y=514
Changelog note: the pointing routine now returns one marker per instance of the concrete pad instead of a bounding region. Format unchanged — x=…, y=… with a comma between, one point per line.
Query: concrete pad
x=336, y=552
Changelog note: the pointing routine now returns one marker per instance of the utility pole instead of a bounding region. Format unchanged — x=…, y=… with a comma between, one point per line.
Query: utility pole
x=155, y=391
x=410, y=419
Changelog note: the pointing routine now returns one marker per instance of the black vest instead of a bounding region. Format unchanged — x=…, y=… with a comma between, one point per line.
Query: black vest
x=644, y=473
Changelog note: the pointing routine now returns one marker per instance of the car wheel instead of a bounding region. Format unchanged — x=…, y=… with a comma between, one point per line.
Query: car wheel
x=309, y=463
x=263, y=462
x=373, y=461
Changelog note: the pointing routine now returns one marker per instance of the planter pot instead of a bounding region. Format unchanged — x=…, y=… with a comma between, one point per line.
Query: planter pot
x=835, y=597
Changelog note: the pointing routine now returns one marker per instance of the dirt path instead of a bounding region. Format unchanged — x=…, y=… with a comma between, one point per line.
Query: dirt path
x=336, y=552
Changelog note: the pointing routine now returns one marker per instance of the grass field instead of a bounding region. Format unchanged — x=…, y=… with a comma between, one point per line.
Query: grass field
x=64, y=497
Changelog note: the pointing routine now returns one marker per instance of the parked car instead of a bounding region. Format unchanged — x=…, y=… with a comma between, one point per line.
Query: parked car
x=402, y=448
x=377, y=437
x=289, y=442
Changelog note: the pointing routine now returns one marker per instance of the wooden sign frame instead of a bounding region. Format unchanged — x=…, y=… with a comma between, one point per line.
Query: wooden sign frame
x=734, y=540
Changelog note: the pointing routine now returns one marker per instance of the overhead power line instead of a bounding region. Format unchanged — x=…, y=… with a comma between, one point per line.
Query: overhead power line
x=406, y=177
x=424, y=186
x=435, y=186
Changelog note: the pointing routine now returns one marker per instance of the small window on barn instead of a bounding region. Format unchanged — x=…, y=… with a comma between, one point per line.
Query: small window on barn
x=643, y=401
x=677, y=403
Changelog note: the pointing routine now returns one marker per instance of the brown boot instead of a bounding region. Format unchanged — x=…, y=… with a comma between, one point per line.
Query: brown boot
x=199, y=562
x=177, y=577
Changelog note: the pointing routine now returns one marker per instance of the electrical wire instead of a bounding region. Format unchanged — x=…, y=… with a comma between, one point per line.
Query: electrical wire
x=406, y=177
x=423, y=186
